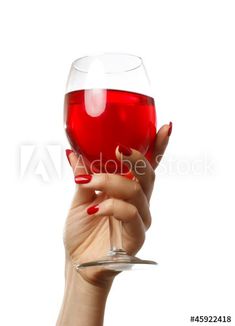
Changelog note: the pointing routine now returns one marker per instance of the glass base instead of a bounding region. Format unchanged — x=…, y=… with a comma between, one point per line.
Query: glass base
x=118, y=260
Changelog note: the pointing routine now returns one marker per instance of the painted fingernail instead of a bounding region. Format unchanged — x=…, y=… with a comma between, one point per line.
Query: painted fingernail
x=170, y=129
x=92, y=210
x=68, y=152
x=82, y=178
x=124, y=150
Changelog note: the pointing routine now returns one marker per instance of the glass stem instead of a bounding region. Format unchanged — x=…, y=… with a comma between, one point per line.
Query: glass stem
x=115, y=229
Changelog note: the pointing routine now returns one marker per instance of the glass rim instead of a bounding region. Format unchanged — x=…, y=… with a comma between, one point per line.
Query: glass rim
x=134, y=66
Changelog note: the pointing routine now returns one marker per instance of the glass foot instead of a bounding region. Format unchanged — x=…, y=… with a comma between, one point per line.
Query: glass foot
x=119, y=261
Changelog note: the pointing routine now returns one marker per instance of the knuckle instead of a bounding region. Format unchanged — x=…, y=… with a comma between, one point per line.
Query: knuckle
x=133, y=211
x=111, y=204
x=137, y=190
x=105, y=179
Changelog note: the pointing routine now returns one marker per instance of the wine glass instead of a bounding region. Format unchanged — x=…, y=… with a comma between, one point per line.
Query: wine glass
x=107, y=103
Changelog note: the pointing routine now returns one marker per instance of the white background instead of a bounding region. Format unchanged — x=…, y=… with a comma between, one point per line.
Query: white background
x=188, y=48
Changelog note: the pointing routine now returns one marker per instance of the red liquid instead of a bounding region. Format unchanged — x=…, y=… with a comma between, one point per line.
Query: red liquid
x=98, y=120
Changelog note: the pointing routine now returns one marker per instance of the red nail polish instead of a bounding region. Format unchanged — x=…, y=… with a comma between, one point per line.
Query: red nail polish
x=82, y=178
x=92, y=210
x=170, y=129
x=124, y=150
x=68, y=152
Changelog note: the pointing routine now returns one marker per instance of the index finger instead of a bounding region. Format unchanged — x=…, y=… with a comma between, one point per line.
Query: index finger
x=82, y=195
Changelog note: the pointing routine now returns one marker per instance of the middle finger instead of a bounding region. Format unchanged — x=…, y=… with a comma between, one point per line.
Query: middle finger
x=119, y=187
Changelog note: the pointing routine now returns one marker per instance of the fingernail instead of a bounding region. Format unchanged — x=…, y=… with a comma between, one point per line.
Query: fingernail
x=68, y=152
x=124, y=150
x=82, y=178
x=92, y=210
x=170, y=129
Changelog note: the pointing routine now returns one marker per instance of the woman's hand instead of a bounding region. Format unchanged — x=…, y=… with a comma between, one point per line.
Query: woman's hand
x=86, y=235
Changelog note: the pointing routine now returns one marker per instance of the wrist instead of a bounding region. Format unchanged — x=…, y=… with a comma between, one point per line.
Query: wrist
x=85, y=285
x=84, y=301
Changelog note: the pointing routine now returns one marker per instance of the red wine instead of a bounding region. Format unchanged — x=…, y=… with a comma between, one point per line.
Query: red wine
x=98, y=120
